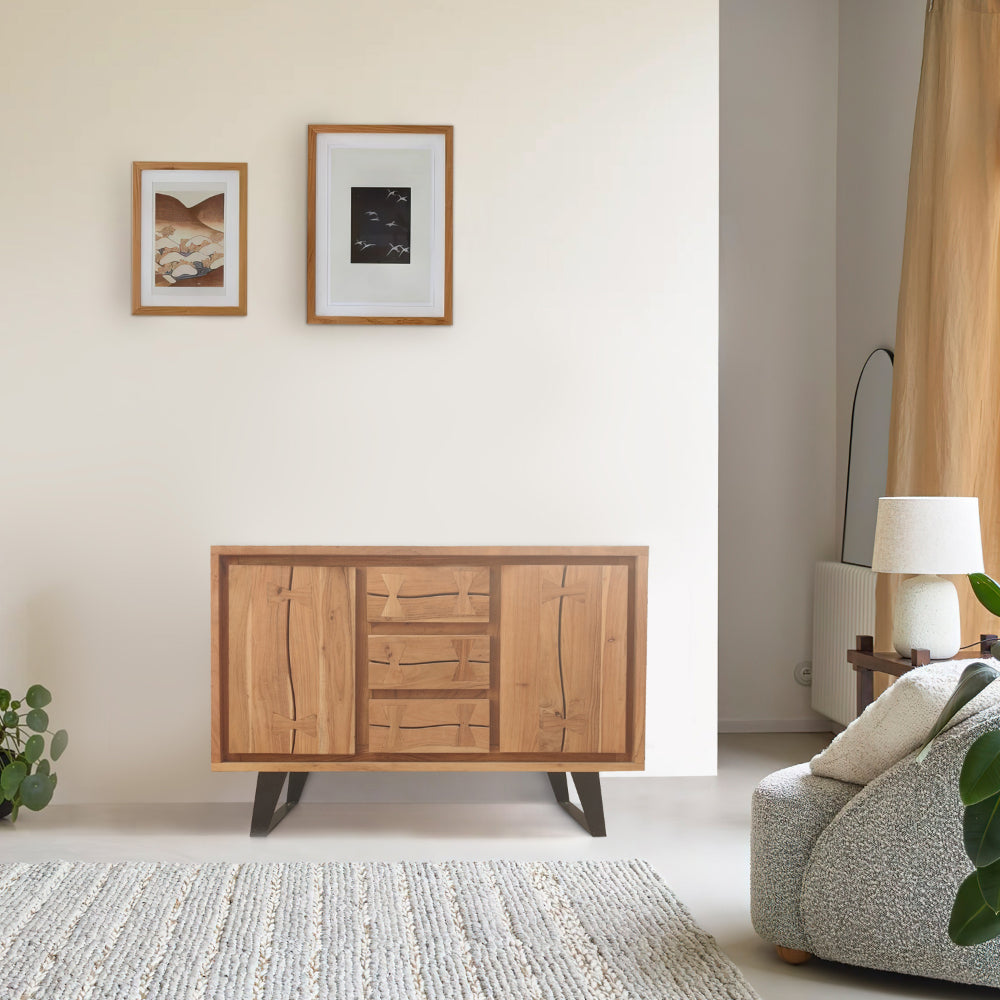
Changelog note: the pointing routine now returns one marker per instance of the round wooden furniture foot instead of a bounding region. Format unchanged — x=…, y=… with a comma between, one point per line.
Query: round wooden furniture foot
x=792, y=955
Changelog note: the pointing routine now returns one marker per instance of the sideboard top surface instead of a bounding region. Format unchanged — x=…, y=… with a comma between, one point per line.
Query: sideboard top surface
x=436, y=551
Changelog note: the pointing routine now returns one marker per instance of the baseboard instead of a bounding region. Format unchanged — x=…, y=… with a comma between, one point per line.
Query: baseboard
x=778, y=726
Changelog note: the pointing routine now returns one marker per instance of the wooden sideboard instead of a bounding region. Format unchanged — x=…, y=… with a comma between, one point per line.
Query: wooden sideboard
x=428, y=659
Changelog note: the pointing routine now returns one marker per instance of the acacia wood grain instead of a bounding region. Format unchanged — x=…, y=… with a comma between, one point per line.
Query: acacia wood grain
x=425, y=726
x=290, y=668
x=567, y=575
x=428, y=661
x=428, y=762
x=564, y=659
x=428, y=594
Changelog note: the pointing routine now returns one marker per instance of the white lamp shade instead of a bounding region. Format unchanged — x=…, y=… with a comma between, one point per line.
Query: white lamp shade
x=928, y=535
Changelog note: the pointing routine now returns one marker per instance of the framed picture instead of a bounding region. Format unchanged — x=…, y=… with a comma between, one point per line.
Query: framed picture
x=189, y=239
x=379, y=224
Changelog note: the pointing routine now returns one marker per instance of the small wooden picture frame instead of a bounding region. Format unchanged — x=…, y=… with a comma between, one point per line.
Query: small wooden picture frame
x=379, y=219
x=189, y=239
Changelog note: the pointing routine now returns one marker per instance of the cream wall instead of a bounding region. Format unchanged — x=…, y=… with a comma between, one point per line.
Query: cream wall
x=573, y=401
x=777, y=350
x=881, y=44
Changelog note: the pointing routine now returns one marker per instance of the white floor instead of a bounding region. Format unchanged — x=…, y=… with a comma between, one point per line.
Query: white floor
x=695, y=831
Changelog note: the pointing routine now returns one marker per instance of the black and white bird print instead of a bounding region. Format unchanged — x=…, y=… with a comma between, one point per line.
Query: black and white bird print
x=380, y=225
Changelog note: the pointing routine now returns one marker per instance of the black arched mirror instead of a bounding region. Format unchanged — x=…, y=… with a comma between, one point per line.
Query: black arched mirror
x=868, y=460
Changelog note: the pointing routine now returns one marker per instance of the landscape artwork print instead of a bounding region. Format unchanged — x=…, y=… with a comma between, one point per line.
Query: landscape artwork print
x=189, y=236
x=380, y=225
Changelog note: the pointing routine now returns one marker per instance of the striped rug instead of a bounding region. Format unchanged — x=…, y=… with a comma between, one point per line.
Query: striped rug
x=339, y=931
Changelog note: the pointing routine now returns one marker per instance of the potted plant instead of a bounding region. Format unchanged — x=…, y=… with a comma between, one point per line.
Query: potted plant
x=26, y=776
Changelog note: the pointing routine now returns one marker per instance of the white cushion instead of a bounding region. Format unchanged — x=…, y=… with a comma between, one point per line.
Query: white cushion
x=898, y=722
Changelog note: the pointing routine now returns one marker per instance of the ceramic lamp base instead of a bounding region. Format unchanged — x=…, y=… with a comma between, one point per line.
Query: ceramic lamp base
x=926, y=616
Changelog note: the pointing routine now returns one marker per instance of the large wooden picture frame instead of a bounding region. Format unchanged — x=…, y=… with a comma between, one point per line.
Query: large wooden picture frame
x=379, y=224
x=189, y=239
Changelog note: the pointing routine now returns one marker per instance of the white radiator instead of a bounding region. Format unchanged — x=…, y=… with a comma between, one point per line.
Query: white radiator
x=843, y=608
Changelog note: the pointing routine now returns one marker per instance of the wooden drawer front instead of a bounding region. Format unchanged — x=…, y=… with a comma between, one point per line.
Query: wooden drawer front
x=450, y=662
x=428, y=726
x=291, y=660
x=429, y=594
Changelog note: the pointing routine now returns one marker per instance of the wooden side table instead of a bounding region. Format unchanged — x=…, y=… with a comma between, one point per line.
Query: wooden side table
x=867, y=662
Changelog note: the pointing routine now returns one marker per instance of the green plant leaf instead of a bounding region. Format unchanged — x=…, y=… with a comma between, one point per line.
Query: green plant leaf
x=989, y=885
x=981, y=831
x=43, y=766
x=11, y=777
x=37, y=719
x=975, y=678
x=10, y=719
x=987, y=591
x=37, y=696
x=15, y=704
x=36, y=791
x=981, y=771
x=4, y=699
x=972, y=919
x=15, y=809
x=59, y=743
x=34, y=748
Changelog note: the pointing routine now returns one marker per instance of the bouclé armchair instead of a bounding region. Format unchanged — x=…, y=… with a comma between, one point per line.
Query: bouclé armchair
x=867, y=875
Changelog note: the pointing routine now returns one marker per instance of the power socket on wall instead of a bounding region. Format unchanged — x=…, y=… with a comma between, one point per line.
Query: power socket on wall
x=804, y=673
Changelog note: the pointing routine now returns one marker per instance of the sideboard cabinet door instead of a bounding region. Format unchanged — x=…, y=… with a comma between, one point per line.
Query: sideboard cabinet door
x=291, y=660
x=563, y=659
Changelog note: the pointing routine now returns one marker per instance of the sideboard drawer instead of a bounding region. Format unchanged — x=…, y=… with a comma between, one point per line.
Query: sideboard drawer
x=444, y=662
x=428, y=726
x=428, y=594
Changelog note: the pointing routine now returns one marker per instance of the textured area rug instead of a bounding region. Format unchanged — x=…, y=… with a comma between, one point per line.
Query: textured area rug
x=339, y=931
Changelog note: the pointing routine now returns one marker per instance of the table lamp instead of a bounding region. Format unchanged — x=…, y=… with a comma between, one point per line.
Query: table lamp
x=927, y=536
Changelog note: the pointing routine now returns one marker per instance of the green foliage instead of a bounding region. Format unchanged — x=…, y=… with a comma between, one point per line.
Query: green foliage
x=11, y=777
x=38, y=720
x=975, y=916
x=987, y=591
x=26, y=777
x=981, y=831
x=981, y=770
x=36, y=791
x=973, y=920
x=975, y=678
x=989, y=885
x=37, y=696
x=34, y=748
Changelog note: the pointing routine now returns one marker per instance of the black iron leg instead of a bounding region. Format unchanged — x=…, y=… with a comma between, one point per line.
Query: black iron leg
x=266, y=813
x=588, y=787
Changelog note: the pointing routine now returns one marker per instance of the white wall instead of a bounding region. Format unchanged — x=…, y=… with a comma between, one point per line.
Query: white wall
x=881, y=43
x=573, y=401
x=777, y=349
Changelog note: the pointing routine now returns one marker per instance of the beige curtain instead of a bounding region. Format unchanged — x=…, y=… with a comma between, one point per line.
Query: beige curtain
x=945, y=431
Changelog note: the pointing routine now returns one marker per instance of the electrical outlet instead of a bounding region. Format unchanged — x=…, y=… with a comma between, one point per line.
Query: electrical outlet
x=804, y=673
